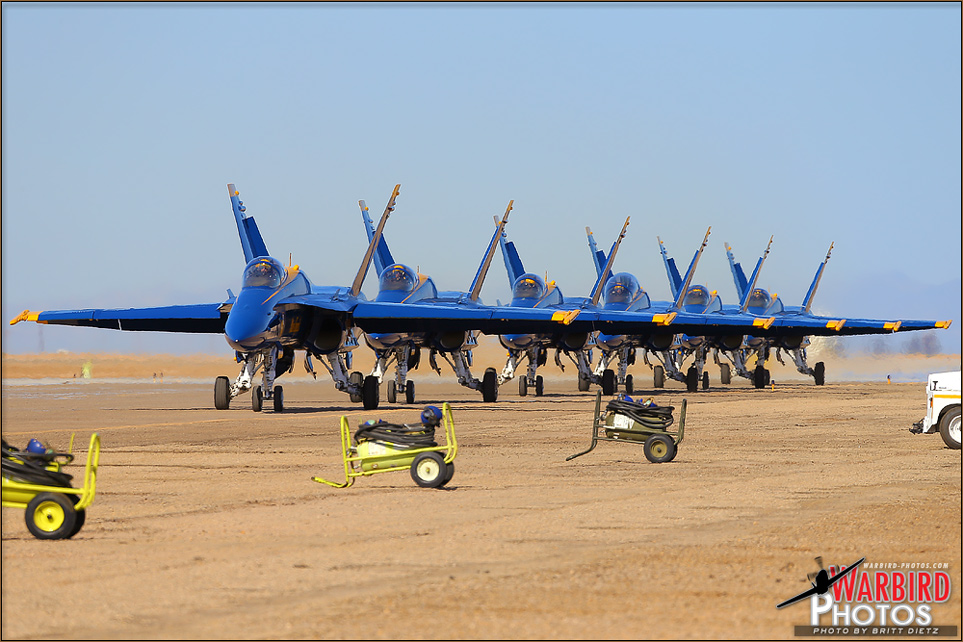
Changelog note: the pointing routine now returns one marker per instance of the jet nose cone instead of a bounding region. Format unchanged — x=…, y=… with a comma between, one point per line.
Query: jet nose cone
x=247, y=322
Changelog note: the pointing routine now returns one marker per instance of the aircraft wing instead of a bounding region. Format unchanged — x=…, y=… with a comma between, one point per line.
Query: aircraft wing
x=839, y=326
x=202, y=318
x=801, y=596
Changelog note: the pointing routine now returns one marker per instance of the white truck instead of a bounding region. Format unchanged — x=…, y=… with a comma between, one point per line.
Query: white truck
x=942, y=408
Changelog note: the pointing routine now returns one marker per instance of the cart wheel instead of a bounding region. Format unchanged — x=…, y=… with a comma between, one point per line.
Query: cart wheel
x=429, y=470
x=410, y=392
x=659, y=377
x=608, y=383
x=490, y=386
x=950, y=428
x=222, y=393
x=371, y=392
x=257, y=399
x=522, y=386
x=356, y=379
x=81, y=516
x=392, y=392
x=51, y=516
x=449, y=473
x=725, y=374
x=539, y=386
x=278, y=395
x=659, y=448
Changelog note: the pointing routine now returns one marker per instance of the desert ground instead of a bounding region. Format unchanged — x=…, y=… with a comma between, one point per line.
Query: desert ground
x=207, y=524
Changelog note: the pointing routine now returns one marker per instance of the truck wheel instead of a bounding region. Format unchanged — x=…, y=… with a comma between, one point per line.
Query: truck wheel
x=950, y=428
x=50, y=516
x=659, y=377
x=222, y=393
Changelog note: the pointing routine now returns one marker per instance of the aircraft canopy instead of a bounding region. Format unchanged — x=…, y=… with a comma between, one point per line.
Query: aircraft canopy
x=264, y=271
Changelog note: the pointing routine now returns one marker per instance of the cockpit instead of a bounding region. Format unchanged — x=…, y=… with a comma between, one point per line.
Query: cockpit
x=263, y=272
x=621, y=288
x=759, y=301
x=528, y=289
x=698, y=300
x=397, y=278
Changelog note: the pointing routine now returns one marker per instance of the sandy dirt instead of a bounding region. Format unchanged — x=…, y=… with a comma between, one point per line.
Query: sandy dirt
x=207, y=524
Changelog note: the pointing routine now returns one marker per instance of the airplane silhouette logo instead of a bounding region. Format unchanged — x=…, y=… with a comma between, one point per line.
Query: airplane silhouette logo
x=821, y=582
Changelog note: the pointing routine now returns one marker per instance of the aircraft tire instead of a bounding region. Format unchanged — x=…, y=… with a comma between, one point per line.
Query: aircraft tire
x=50, y=516
x=705, y=380
x=759, y=377
x=629, y=385
x=522, y=386
x=950, y=428
x=392, y=392
x=692, y=379
x=222, y=393
x=539, y=386
x=490, y=386
x=583, y=384
x=725, y=374
x=819, y=374
x=608, y=382
x=659, y=377
x=659, y=448
x=429, y=470
x=257, y=399
x=410, y=392
x=370, y=392
x=357, y=379
x=278, y=396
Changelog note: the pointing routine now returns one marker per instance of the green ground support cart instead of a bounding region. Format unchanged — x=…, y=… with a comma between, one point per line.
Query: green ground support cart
x=629, y=422
x=381, y=447
x=34, y=482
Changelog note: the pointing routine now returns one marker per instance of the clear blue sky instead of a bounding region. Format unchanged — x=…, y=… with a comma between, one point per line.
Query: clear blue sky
x=123, y=124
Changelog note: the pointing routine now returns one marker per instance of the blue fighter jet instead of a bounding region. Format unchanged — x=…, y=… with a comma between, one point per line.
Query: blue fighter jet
x=401, y=284
x=279, y=311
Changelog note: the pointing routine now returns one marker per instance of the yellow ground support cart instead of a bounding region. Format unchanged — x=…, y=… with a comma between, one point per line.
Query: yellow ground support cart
x=382, y=447
x=644, y=423
x=33, y=480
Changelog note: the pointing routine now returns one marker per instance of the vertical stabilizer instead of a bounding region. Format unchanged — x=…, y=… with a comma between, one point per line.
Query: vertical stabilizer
x=251, y=242
x=671, y=271
x=744, y=298
x=376, y=238
x=808, y=301
x=598, y=256
x=476, y=284
x=690, y=273
x=382, y=256
x=738, y=276
x=604, y=274
x=513, y=264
